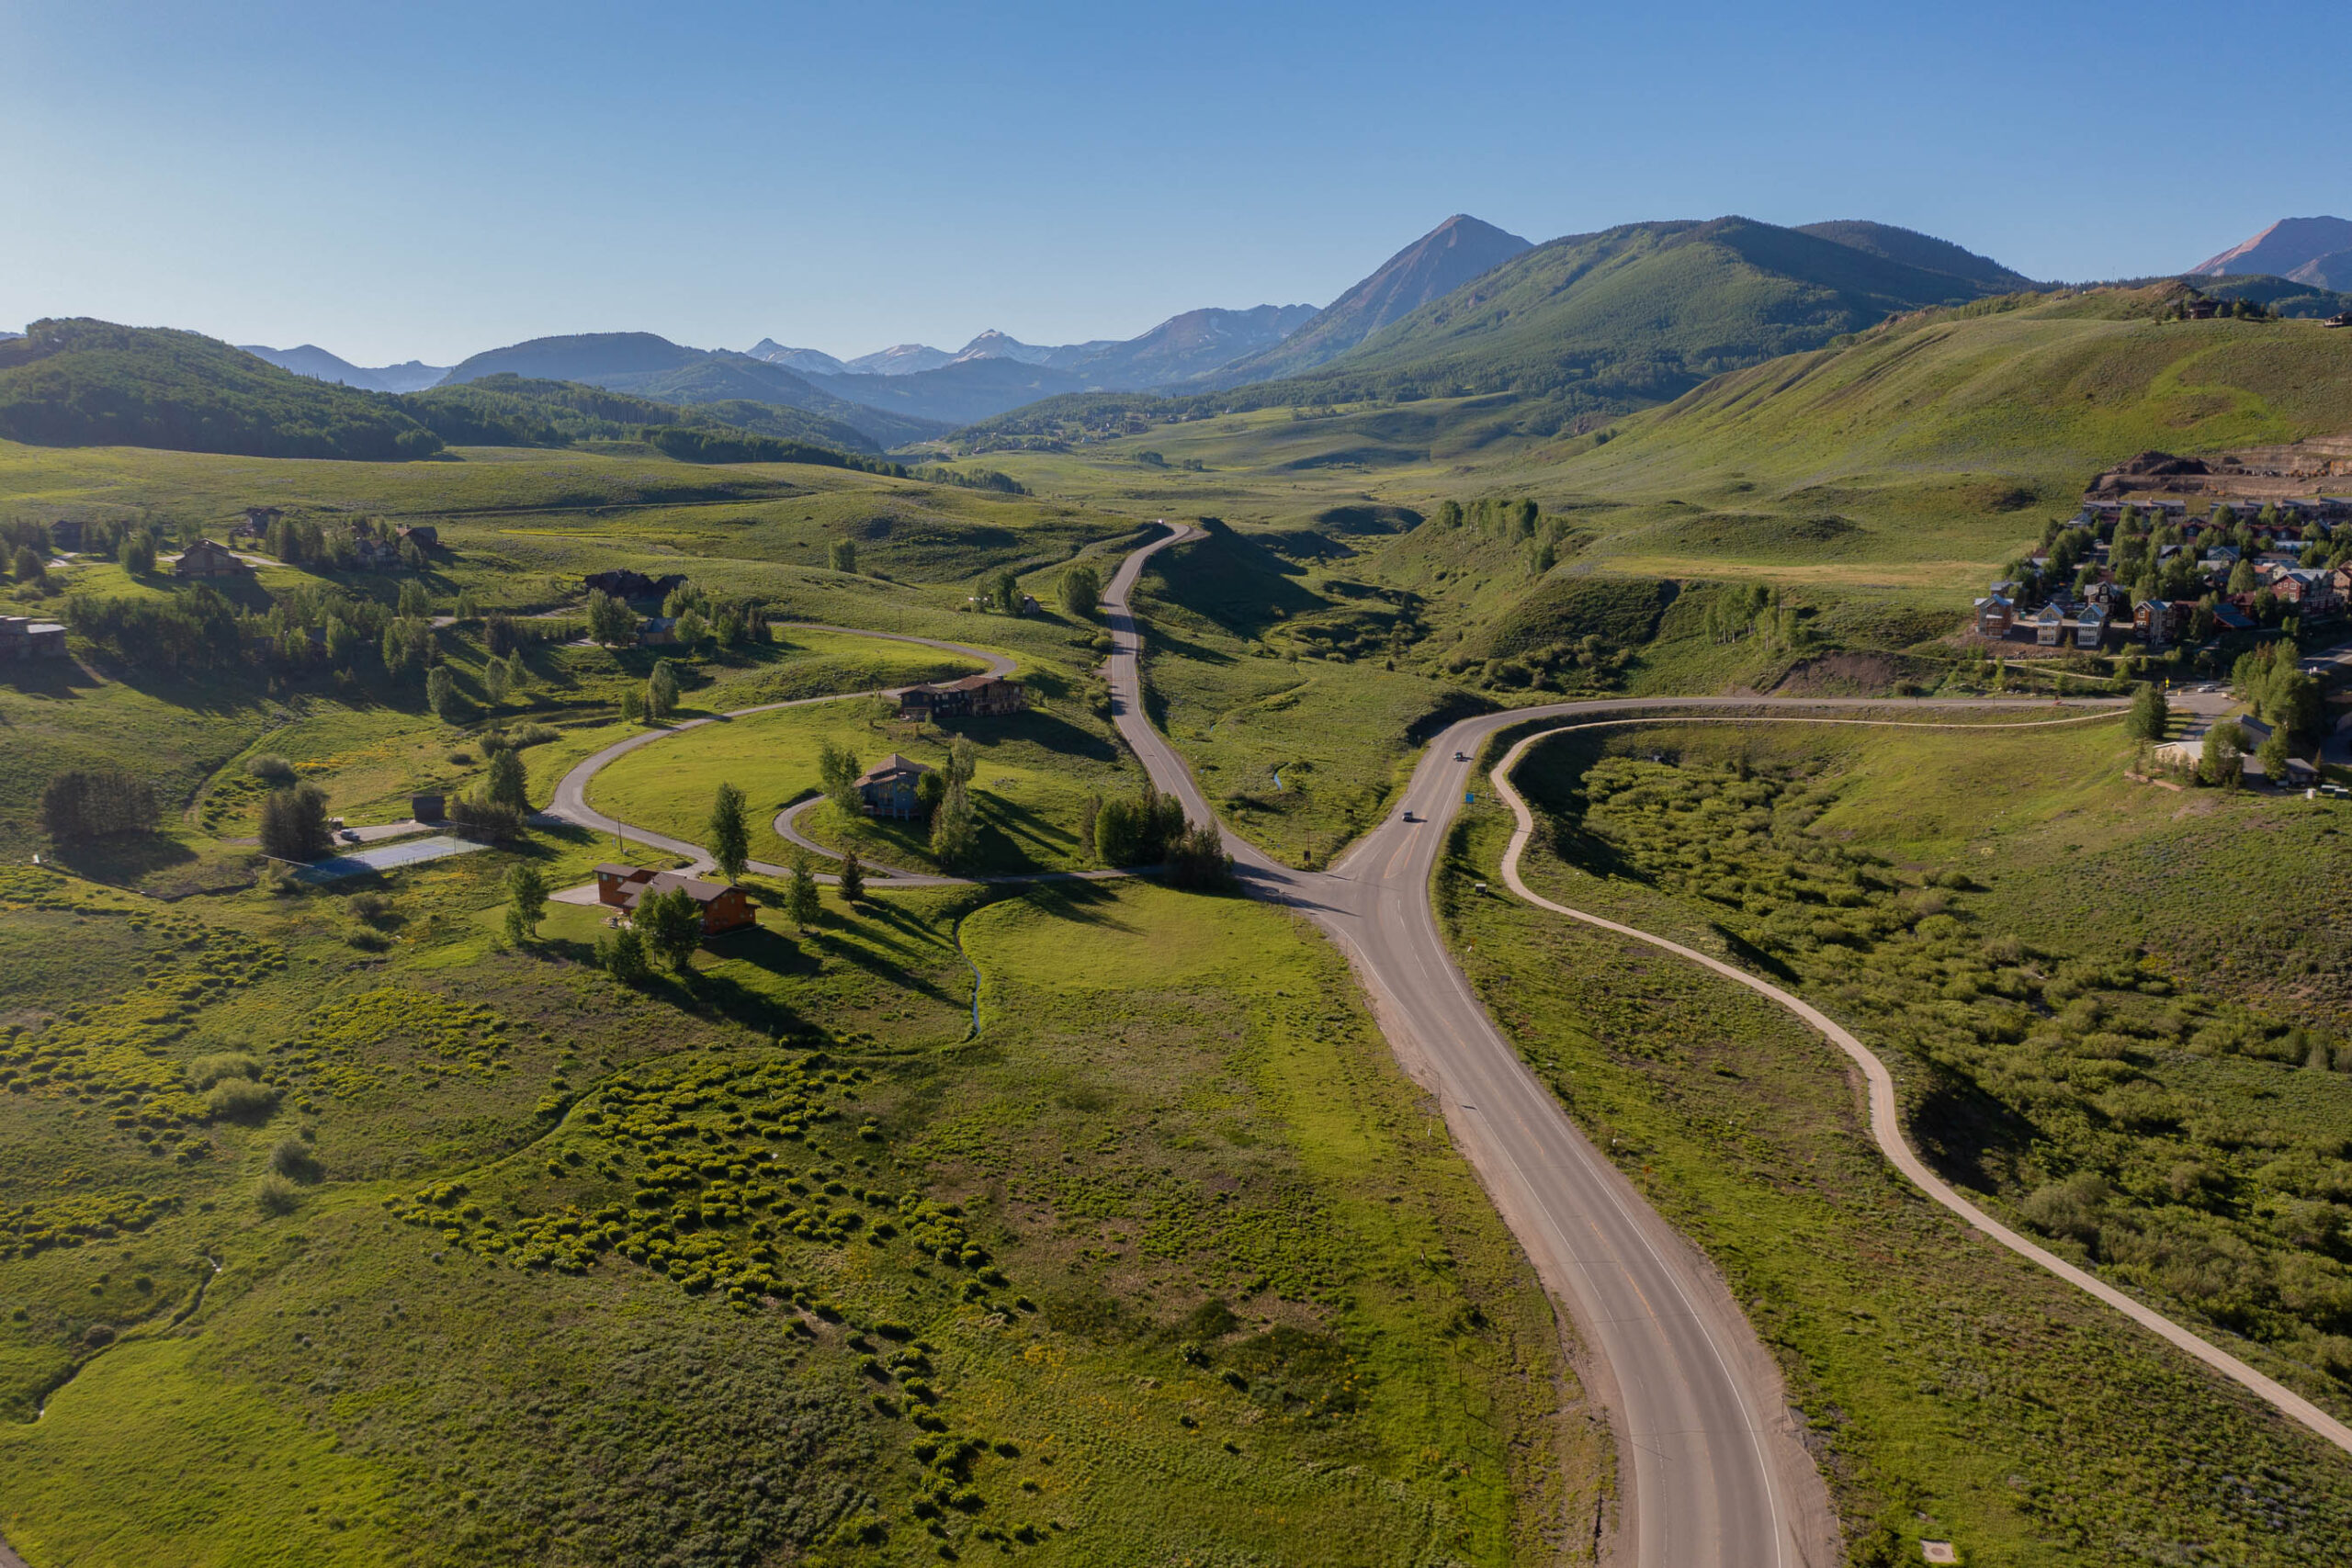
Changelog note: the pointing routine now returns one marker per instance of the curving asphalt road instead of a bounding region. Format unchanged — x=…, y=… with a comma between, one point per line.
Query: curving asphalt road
x=1715, y=1475
x=1886, y=1121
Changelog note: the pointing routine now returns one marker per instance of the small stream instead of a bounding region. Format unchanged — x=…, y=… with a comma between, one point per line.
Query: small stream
x=194, y=1301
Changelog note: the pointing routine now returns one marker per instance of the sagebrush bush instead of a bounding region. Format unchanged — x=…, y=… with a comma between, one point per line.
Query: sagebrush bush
x=296, y=1161
x=272, y=770
x=206, y=1071
x=241, y=1100
x=277, y=1196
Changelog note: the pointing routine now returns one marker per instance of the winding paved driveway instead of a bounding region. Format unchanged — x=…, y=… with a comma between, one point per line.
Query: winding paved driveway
x=571, y=802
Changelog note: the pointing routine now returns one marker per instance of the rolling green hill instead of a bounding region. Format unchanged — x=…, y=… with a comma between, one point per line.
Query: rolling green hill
x=1923, y=250
x=1948, y=434
x=1588, y=326
x=505, y=410
x=1644, y=311
x=89, y=383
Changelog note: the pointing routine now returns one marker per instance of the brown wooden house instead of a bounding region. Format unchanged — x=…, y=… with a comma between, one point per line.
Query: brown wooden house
x=725, y=907
x=205, y=559
x=974, y=697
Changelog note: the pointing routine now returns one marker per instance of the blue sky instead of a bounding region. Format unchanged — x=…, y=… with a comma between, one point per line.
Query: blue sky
x=428, y=179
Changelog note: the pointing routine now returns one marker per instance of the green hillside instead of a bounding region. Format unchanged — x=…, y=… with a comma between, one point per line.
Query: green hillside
x=1946, y=435
x=1593, y=324
x=506, y=410
x=89, y=383
x=1923, y=250
x=1645, y=310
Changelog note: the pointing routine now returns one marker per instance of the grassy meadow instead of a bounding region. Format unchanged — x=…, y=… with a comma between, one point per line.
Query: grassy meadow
x=2067, y=1050
x=780, y=1256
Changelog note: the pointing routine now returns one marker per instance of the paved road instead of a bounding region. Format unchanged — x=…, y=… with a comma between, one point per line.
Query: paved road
x=1714, y=1474
x=1886, y=1118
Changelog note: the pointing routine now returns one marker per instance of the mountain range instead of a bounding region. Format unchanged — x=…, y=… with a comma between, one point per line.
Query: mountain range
x=1454, y=252
x=311, y=360
x=1592, y=323
x=2316, y=250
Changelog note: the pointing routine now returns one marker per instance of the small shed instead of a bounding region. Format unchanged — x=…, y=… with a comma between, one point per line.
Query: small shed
x=429, y=806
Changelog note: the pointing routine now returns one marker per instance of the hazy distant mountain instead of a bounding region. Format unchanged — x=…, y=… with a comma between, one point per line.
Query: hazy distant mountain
x=1454, y=252
x=1923, y=250
x=996, y=372
x=2317, y=250
x=902, y=359
x=808, y=361
x=959, y=392
x=1185, y=346
x=310, y=360
x=994, y=345
x=654, y=366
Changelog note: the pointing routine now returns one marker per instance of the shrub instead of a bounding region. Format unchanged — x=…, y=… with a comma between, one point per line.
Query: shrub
x=272, y=770
x=206, y=1071
x=479, y=816
x=241, y=1100
x=277, y=1196
x=96, y=803
x=622, y=956
x=296, y=1161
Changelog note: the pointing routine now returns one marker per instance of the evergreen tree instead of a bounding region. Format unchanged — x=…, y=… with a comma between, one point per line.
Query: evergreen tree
x=731, y=840
x=852, y=878
x=527, y=901
x=493, y=680
x=137, y=552
x=801, y=903
x=2150, y=714
x=632, y=705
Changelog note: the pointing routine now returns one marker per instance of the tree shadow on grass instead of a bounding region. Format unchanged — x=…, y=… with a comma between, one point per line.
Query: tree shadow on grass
x=1968, y=1136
